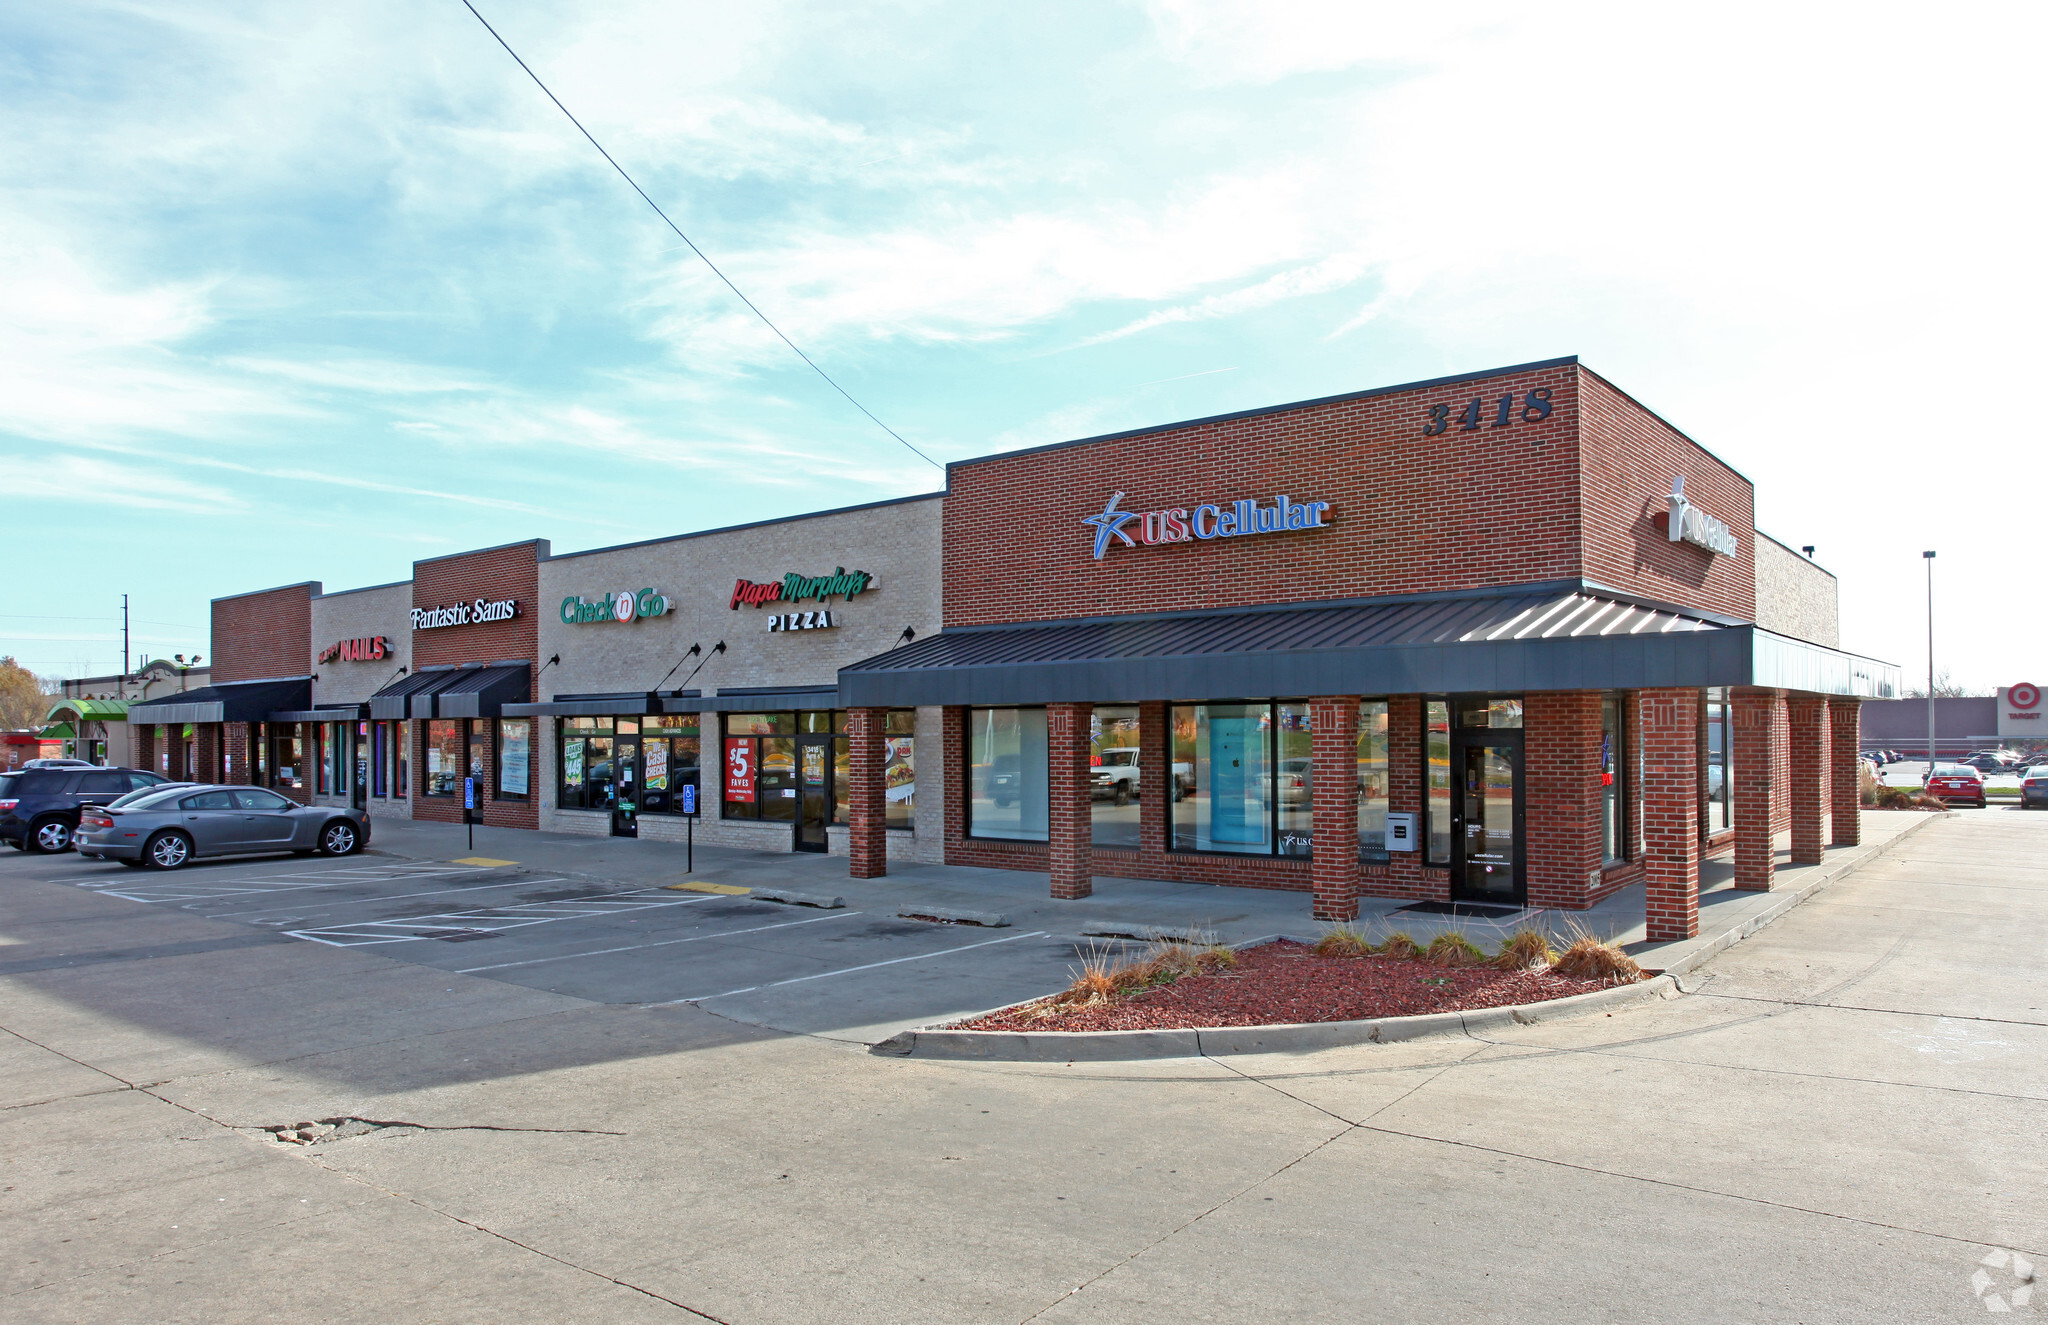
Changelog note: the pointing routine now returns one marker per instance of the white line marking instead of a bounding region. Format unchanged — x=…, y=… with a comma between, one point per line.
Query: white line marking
x=663, y=943
x=394, y=897
x=777, y=984
x=497, y=919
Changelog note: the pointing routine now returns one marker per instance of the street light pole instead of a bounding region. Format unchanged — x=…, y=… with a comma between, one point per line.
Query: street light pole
x=1929, y=558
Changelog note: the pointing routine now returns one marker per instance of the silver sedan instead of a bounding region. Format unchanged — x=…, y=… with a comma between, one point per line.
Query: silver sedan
x=169, y=826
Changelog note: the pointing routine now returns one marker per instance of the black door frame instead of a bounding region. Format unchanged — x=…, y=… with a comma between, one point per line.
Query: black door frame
x=625, y=808
x=804, y=741
x=1469, y=738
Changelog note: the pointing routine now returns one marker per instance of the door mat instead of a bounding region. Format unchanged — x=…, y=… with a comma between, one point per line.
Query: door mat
x=1476, y=910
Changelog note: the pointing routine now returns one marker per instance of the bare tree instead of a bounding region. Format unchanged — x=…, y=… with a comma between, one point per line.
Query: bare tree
x=1943, y=689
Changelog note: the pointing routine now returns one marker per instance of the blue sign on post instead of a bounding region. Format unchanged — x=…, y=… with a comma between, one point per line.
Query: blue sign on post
x=689, y=798
x=469, y=793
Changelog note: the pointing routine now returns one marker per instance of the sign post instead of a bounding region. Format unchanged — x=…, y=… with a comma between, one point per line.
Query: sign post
x=690, y=827
x=469, y=809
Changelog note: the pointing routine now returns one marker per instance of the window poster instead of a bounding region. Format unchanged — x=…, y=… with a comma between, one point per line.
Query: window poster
x=572, y=762
x=515, y=749
x=655, y=757
x=739, y=769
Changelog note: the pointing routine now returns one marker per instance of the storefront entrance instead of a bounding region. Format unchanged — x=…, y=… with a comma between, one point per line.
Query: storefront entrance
x=814, y=792
x=626, y=787
x=1487, y=816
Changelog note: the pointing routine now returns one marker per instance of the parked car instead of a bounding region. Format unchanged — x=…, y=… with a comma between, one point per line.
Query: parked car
x=1986, y=761
x=1957, y=782
x=2034, y=790
x=60, y=763
x=39, y=806
x=1296, y=781
x=176, y=825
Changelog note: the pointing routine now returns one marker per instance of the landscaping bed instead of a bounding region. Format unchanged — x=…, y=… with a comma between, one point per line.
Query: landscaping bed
x=1178, y=987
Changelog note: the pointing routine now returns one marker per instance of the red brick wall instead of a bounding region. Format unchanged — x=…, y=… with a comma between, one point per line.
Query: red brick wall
x=1408, y=513
x=1807, y=752
x=495, y=573
x=264, y=634
x=1070, y=806
x=1630, y=457
x=1845, y=726
x=868, y=837
x=1758, y=796
x=1670, y=723
x=1562, y=795
x=1334, y=809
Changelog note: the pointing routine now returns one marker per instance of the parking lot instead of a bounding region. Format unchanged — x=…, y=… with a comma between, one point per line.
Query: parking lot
x=854, y=971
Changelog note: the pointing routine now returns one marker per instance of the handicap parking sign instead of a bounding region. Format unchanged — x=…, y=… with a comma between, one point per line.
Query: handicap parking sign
x=469, y=793
x=689, y=798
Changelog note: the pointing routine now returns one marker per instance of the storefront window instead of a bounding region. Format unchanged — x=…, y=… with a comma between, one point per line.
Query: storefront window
x=759, y=754
x=1613, y=781
x=670, y=749
x=1226, y=804
x=1714, y=761
x=287, y=750
x=1113, y=777
x=1489, y=713
x=1007, y=788
x=1294, y=778
x=1372, y=780
x=515, y=757
x=479, y=763
x=899, y=768
x=445, y=757
x=585, y=764
x=1436, y=779
x=402, y=753
x=322, y=750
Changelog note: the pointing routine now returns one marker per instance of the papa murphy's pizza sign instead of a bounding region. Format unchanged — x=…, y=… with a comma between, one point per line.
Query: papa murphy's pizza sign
x=2020, y=710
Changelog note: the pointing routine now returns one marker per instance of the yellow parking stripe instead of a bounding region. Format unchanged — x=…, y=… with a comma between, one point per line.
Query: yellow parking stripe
x=484, y=861
x=724, y=889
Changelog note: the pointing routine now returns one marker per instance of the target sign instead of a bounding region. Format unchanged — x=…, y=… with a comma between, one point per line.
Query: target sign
x=2023, y=696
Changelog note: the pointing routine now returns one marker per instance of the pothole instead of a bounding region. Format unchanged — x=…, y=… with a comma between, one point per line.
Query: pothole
x=336, y=1129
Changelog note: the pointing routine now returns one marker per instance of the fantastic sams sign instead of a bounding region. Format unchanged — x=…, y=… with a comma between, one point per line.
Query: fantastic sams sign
x=1181, y=524
x=464, y=614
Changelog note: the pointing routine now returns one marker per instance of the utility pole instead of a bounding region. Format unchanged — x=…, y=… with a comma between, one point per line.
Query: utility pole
x=126, y=657
x=1929, y=558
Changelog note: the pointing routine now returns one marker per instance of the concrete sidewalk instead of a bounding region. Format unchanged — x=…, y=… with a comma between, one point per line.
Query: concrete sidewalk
x=1135, y=907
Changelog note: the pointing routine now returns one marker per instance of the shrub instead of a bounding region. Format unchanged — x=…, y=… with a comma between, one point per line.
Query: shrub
x=1343, y=941
x=1399, y=946
x=1219, y=955
x=1452, y=948
x=1590, y=959
x=1523, y=949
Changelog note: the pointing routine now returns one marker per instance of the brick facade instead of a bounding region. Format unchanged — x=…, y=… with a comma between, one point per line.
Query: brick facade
x=1807, y=753
x=1333, y=868
x=492, y=574
x=867, y=801
x=1845, y=772
x=1069, y=803
x=1562, y=796
x=269, y=633
x=1756, y=748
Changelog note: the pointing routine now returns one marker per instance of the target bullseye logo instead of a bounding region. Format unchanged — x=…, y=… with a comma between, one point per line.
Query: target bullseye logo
x=2024, y=696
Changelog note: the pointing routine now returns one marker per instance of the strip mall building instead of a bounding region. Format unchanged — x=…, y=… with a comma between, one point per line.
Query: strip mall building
x=1506, y=637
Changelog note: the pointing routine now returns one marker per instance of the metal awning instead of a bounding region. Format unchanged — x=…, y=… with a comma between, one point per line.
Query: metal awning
x=324, y=713
x=230, y=701
x=57, y=731
x=627, y=703
x=389, y=704
x=480, y=692
x=88, y=710
x=1541, y=638
x=756, y=699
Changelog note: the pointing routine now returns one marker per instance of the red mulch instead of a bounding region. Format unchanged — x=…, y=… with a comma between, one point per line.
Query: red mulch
x=1282, y=982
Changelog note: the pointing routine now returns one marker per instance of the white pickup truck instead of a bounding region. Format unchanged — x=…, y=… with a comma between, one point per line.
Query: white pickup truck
x=1116, y=776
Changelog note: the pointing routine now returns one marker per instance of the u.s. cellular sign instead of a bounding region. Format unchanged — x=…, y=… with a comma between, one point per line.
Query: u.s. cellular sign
x=1182, y=524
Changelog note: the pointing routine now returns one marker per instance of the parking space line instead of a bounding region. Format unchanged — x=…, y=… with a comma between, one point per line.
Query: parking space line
x=395, y=897
x=661, y=943
x=893, y=961
x=481, y=919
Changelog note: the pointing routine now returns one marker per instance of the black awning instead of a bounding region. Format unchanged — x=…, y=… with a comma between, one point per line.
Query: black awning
x=230, y=701
x=389, y=704
x=757, y=699
x=325, y=713
x=1549, y=639
x=478, y=692
x=627, y=703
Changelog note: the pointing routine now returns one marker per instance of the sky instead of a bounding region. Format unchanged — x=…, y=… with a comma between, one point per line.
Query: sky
x=294, y=292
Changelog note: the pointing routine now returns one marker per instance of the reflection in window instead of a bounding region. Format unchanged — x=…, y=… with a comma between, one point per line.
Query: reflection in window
x=1613, y=781
x=444, y=757
x=1007, y=783
x=1372, y=780
x=1714, y=772
x=1113, y=776
x=1294, y=779
x=1226, y=803
x=1436, y=779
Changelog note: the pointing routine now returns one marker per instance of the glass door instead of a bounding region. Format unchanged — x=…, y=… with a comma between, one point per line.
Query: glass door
x=1486, y=818
x=814, y=791
x=626, y=787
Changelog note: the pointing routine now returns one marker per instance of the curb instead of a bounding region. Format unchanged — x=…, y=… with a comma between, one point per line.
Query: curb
x=1301, y=1037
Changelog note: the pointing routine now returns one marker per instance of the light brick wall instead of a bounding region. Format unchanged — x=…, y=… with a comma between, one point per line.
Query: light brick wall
x=1794, y=596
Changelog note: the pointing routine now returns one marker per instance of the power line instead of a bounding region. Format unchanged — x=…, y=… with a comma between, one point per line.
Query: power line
x=693, y=243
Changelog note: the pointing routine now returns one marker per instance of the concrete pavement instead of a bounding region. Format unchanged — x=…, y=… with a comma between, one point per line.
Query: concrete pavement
x=1841, y=1125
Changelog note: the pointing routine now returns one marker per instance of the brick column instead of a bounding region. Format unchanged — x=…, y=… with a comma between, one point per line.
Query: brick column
x=1753, y=791
x=1155, y=777
x=1069, y=808
x=1807, y=754
x=1561, y=779
x=867, y=800
x=207, y=751
x=1845, y=741
x=235, y=753
x=1669, y=721
x=1333, y=853
x=142, y=737
x=959, y=782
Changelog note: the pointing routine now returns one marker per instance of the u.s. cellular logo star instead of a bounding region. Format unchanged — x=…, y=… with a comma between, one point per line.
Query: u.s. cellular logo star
x=1110, y=524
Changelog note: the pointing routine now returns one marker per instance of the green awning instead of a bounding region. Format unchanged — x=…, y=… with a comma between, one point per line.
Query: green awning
x=58, y=732
x=88, y=710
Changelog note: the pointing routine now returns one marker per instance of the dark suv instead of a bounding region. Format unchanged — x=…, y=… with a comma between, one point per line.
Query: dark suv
x=39, y=806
